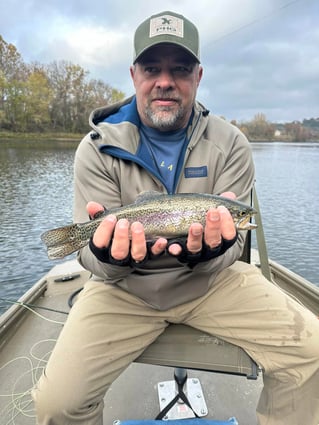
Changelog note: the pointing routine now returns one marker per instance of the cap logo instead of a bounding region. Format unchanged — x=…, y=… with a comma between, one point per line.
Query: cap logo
x=167, y=24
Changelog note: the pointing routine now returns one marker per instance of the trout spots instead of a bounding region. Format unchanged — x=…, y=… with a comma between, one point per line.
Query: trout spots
x=162, y=215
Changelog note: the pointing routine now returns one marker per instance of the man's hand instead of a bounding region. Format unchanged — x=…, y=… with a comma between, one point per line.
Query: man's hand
x=219, y=225
x=125, y=239
x=130, y=240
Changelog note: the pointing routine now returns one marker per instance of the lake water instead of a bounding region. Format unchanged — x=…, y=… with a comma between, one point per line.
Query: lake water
x=36, y=194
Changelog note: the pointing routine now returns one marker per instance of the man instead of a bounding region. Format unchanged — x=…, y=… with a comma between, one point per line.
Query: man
x=163, y=140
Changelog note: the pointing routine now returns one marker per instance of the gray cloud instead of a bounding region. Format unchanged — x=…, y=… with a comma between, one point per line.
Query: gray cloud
x=257, y=56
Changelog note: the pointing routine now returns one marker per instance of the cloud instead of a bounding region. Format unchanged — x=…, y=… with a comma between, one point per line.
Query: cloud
x=90, y=45
x=257, y=56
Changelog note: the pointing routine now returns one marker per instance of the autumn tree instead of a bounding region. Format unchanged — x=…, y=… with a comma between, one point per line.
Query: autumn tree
x=37, y=101
x=12, y=66
x=74, y=96
x=65, y=80
x=297, y=132
x=259, y=128
x=58, y=96
x=12, y=77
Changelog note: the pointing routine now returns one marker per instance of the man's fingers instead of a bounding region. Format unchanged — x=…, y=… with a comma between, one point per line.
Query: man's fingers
x=195, y=238
x=121, y=241
x=159, y=246
x=229, y=195
x=175, y=249
x=103, y=234
x=213, y=232
x=219, y=225
x=138, y=245
x=228, y=230
x=93, y=208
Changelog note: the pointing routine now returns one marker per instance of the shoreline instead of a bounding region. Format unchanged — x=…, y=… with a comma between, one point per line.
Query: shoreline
x=6, y=136
x=65, y=138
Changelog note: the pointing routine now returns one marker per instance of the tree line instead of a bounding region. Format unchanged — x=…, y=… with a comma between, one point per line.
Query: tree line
x=59, y=97
x=56, y=97
x=260, y=129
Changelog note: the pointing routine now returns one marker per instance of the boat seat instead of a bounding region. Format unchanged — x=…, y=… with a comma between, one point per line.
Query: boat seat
x=182, y=346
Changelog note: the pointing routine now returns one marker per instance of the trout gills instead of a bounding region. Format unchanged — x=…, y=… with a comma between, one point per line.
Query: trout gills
x=162, y=215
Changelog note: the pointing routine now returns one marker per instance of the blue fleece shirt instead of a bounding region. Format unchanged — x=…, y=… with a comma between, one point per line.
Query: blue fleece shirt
x=166, y=150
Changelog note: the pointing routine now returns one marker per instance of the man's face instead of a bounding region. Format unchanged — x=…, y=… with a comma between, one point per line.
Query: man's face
x=165, y=80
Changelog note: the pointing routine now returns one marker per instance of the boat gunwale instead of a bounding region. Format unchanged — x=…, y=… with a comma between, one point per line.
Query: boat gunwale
x=11, y=317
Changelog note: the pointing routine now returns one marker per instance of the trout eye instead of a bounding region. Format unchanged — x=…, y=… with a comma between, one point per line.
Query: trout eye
x=241, y=213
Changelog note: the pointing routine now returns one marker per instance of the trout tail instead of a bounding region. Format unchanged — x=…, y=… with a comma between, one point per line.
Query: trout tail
x=63, y=241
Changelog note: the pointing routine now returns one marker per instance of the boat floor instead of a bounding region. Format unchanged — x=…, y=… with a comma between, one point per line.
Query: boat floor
x=132, y=396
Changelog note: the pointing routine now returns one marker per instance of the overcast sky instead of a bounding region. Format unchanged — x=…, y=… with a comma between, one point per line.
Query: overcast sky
x=258, y=55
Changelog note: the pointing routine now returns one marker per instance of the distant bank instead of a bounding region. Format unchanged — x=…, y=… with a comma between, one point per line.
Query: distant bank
x=63, y=138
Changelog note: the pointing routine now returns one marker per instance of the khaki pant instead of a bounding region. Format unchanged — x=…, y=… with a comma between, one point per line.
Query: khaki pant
x=108, y=328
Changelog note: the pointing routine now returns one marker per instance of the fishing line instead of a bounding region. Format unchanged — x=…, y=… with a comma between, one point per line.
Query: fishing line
x=42, y=317
x=248, y=24
x=21, y=402
x=33, y=306
x=19, y=399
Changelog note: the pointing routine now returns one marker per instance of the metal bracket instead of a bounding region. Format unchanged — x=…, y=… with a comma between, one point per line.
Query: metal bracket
x=167, y=390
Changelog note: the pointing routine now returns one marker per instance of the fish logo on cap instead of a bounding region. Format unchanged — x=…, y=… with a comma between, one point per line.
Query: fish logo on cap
x=166, y=25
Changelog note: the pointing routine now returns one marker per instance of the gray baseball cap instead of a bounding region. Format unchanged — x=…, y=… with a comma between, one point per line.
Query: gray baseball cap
x=166, y=27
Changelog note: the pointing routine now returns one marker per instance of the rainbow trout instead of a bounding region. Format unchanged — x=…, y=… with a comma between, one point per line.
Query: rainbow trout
x=162, y=215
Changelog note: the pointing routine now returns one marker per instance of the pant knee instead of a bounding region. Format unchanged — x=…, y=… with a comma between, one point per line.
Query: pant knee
x=55, y=405
x=49, y=403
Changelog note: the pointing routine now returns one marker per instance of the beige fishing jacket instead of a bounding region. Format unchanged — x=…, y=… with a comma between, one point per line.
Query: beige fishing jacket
x=112, y=169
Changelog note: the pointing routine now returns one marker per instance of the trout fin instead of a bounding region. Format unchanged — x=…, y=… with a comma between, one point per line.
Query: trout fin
x=59, y=252
x=147, y=195
x=63, y=241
